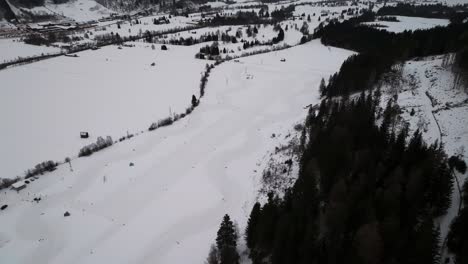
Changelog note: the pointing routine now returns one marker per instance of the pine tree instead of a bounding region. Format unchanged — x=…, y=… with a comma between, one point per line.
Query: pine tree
x=194, y=101
x=226, y=241
x=322, y=88
x=213, y=256
x=251, y=226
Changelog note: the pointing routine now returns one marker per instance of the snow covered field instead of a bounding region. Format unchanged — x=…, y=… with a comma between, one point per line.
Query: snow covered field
x=167, y=207
x=110, y=91
x=410, y=23
x=11, y=49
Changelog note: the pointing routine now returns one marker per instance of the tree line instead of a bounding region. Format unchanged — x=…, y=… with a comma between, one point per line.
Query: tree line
x=379, y=49
x=251, y=17
x=454, y=13
x=363, y=194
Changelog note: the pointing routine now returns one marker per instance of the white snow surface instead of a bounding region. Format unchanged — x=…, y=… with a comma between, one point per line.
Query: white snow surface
x=12, y=48
x=110, y=91
x=78, y=10
x=167, y=207
x=410, y=24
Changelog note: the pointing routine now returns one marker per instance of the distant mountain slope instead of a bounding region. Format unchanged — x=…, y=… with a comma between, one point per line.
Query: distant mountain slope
x=5, y=11
x=40, y=10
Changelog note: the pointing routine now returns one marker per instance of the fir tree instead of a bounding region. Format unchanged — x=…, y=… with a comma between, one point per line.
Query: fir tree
x=226, y=241
x=322, y=88
x=252, y=226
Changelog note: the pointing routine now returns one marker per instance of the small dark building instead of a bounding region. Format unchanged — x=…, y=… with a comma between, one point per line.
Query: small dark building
x=84, y=135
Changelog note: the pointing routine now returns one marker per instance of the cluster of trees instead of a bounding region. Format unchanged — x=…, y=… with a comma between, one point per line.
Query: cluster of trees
x=30, y=3
x=258, y=51
x=161, y=123
x=204, y=78
x=251, y=17
x=280, y=36
x=251, y=31
x=211, y=36
x=109, y=38
x=240, y=18
x=6, y=182
x=225, y=250
x=429, y=11
x=283, y=13
x=388, y=18
x=358, y=72
x=101, y=143
x=461, y=62
x=371, y=62
x=162, y=20
x=41, y=168
x=49, y=38
x=363, y=194
x=250, y=44
x=209, y=50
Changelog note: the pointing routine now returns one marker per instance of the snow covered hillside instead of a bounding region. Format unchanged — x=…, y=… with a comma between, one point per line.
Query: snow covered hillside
x=77, y=10
x=435, y=103
x=159, y=197
x=109, y=91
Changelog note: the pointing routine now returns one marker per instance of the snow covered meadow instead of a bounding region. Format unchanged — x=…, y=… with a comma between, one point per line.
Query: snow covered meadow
x=159, y=197
x=109, y=91
x=12, y=49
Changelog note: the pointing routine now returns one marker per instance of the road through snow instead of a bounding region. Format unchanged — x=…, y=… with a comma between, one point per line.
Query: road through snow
x=167, y=207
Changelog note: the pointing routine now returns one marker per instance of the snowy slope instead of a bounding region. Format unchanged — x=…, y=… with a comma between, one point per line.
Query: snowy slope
x=78, y=10
x=167, y=207
x=11, y=49
x=441, y=113
x=109, y=91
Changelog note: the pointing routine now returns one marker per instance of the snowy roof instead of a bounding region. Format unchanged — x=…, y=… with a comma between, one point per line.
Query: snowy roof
x=18, y=184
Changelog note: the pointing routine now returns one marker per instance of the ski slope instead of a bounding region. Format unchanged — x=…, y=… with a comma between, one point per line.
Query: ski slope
x=167, y=207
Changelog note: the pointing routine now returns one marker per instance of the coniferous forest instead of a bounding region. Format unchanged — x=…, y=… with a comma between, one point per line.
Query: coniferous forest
x=367, y=190
x=379, y=50
x=363, y=194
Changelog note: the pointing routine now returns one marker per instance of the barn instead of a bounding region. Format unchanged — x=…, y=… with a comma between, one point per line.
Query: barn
x=84, y=134
x=18, y=186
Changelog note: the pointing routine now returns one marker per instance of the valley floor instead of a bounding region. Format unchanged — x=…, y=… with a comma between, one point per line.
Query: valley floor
x=159, y=198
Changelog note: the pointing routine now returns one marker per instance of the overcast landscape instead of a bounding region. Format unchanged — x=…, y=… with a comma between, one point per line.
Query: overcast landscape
x=192, y=131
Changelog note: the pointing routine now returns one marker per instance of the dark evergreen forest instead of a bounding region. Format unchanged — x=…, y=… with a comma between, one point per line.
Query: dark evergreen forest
x=363, y=194
x=379, y=50
x=366, y=193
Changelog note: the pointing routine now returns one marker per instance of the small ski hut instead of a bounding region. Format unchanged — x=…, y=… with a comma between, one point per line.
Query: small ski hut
x=84, y=135
x=18, y=186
